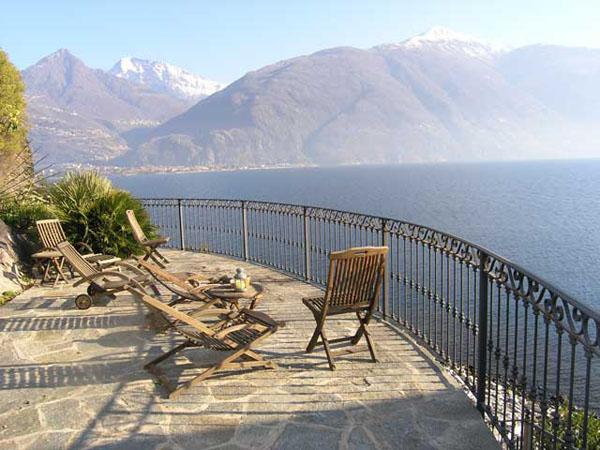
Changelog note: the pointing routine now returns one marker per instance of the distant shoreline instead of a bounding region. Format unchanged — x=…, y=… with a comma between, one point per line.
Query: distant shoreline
x=58, y=169
x=147, y=170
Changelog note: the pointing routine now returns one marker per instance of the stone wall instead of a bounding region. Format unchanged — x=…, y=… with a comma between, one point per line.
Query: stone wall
x=10, y=276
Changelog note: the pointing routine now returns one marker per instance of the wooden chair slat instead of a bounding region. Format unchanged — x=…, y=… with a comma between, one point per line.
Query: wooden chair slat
x=138, y=233
x=74, y=258
x=51, y=232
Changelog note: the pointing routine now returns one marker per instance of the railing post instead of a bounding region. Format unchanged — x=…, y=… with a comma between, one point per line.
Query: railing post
x=386, y=275
x=244, y=232
x=483, y=331
x=181, y=230
x=306, y=245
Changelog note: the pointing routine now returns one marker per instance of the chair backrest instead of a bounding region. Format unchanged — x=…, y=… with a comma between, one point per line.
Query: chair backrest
x=51, y=232
x=162, y=274
x=74, y=258
x=355, y=276
x=167, y=310
x=138, y=233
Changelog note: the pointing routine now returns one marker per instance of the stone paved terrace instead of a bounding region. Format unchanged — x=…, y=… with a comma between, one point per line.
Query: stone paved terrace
x=73, y=379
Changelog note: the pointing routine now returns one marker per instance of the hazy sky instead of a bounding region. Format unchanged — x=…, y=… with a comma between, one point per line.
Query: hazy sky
x=225, y=39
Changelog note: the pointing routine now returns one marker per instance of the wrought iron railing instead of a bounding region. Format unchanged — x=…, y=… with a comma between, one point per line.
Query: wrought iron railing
x=527, y=351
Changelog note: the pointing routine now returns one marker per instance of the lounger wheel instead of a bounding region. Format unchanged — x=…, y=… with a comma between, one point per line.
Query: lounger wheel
x=93, y=290
x=83, y=301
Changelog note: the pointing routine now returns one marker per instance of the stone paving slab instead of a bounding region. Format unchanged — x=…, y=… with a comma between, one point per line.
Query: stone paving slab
x=72, y=379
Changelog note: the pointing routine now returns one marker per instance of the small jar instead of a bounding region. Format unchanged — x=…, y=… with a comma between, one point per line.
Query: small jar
x=240, y=280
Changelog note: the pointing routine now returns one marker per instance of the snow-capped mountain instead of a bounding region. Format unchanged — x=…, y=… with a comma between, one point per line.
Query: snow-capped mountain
x=167, y=78
x=438, y=96
x=447, y=40
x=78, y=114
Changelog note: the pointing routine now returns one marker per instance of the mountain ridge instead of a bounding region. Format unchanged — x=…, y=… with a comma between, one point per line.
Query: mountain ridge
x=78, y=114
x=439, y=96
x=165, y=78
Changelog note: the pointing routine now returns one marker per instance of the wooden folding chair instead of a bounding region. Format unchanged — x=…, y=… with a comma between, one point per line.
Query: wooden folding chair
x=353, y=286
x=48, y=261
x=235, y=332
x=149, y=245
x=101, y=282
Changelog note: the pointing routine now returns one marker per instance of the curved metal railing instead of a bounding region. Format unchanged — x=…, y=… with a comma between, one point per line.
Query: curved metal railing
x=526, y=350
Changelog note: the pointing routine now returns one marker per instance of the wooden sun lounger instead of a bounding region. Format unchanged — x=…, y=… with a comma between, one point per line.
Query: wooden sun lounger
x=353, y=286
x=237, y=332
x=186, y=286
x=51, y=234
x=100, y=282
x=150, y=245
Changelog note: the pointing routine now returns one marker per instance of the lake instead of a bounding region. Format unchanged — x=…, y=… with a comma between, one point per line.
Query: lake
x=543, y=215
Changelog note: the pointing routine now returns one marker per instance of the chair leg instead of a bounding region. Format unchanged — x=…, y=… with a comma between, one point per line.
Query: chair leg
x=359, y=333
x=225, y=364
x=156, y=260
x=370, y=343
x=154, y=289
x=58, y=263
x=46, y=275
x=161, y=256
x=314, y=339
x=166, y=355
x=327, y=350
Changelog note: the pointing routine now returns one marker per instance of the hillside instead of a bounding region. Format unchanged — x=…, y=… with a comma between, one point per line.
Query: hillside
x=77, y=114
x=436, y=97
x=439, y=96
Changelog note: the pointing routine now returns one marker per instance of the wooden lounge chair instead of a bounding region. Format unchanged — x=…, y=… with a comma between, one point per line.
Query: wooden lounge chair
x=149, y=245
x=186, y=286
x=51, y=234
x=353, y=286
x=235, y=332
x=100, y=282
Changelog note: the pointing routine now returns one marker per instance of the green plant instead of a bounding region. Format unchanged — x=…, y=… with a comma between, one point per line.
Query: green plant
x=21, y=214
x=93, y=211
x=13, y=125
x=16, y=162
x=7, y=296
x=108, y=225
x=577, y=427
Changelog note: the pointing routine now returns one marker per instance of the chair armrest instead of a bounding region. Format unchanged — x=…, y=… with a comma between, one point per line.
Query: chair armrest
x=157, y=241
x=107, y=273
x=130, y=267
x=85, y=246
x=210, y=312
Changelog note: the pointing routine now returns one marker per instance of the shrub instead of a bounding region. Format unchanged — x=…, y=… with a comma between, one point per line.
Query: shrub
x=21, y=215
x=93, y=211
x=90, y=208
x=7, y=296
x=593, y=428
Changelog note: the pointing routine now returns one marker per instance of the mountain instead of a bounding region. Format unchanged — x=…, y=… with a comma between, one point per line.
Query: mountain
x=165, y=78
x=450, y=42
x=562, y=78
x=440, y=96
x=77, y=114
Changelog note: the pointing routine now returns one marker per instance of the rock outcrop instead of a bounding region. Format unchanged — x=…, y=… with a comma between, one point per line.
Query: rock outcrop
x=10, y=257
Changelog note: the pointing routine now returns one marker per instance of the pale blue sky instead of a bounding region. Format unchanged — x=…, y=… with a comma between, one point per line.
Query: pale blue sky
x=225, y=39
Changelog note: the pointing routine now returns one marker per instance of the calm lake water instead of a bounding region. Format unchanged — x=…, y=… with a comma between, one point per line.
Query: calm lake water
x=544, y=216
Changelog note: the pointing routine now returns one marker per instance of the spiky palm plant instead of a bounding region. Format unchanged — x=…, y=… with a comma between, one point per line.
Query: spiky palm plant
x=93, y=211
